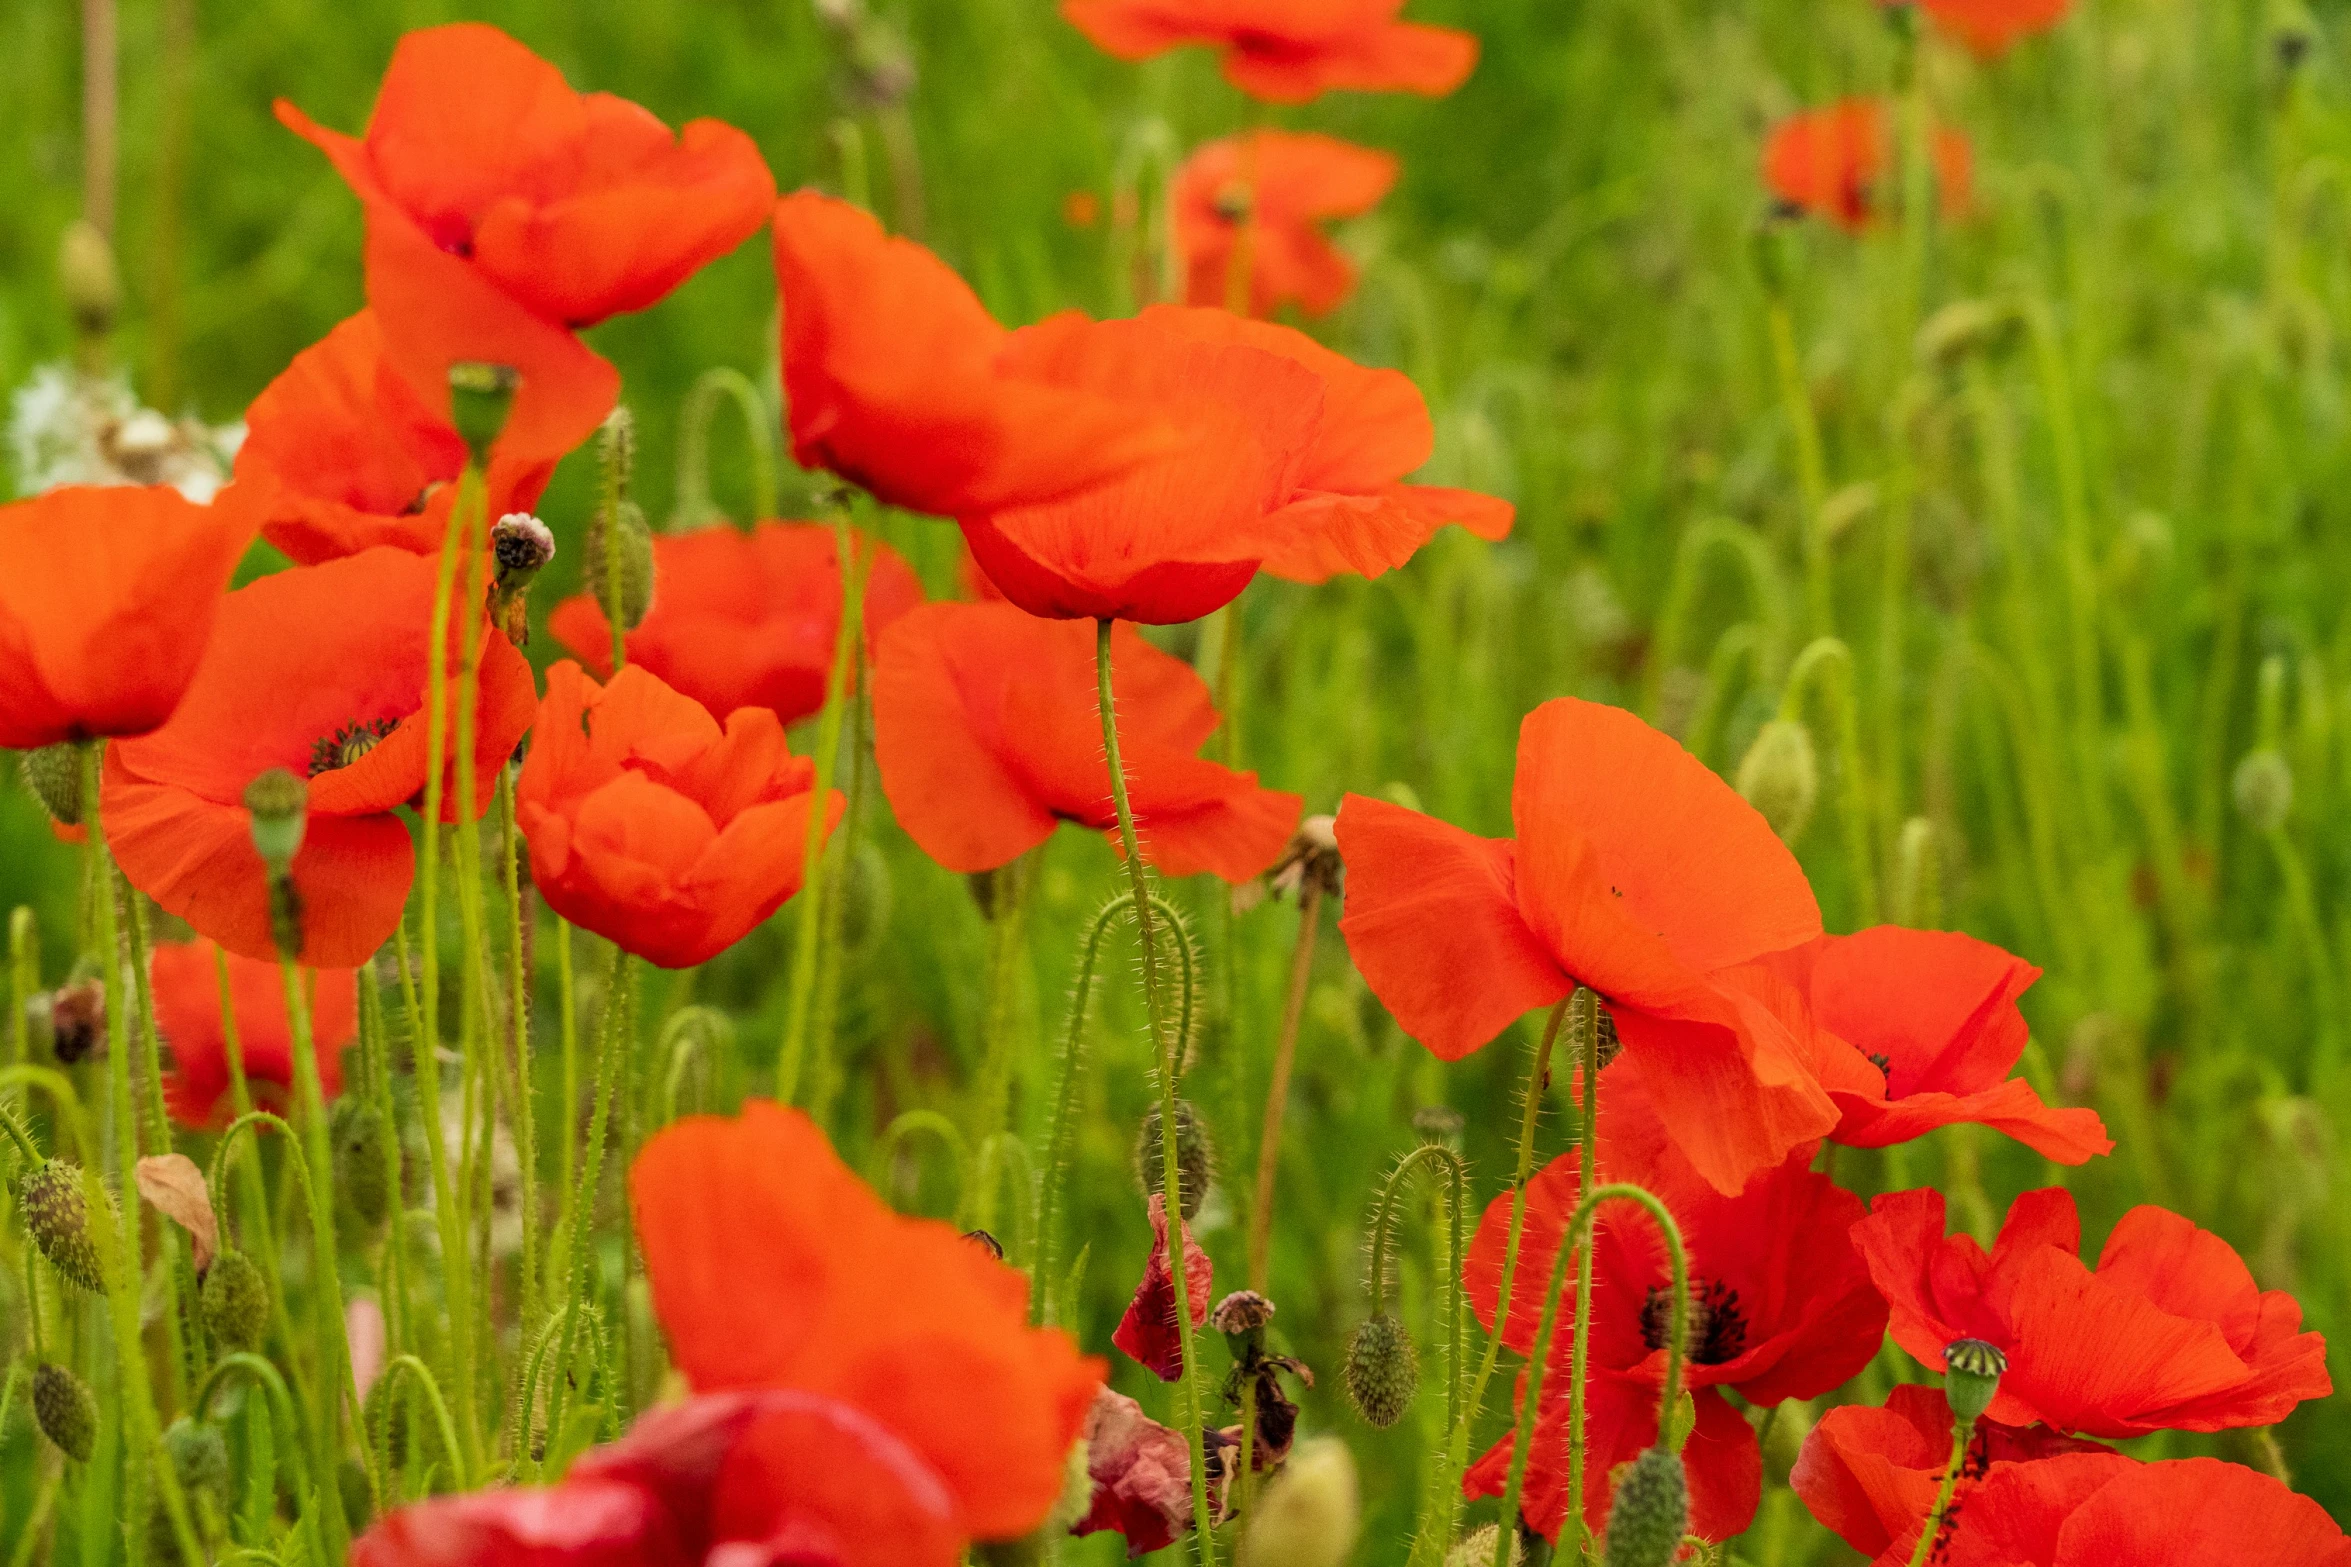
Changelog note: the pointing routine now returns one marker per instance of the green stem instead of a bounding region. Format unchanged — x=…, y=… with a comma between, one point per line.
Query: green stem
x=723, y=383
x=567, y=997
x=1531, y=1108
x=1829, y=663
x=1811, y=470
x=1960, y=1432
x=1277, y=1092
x=179, y=1319
x=1584, y=1008
x=518, y=990
x=614, y=1028
x=281, y=1403
x=334, y=1370
x=1005, y=952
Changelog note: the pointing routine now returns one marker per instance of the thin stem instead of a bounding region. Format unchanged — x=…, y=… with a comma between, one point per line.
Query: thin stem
x=258, y=1216
x=613, y=1031
x=1584, y=1006
x=567, y=997
x=1277, y=1092
x=334, y=1371
x=723, y=383
x=518, y=992
x=178, y=1319
x=1014, y=882
x=1811, y=470
x=1828, y=663
x=1960, y=1432
x=1538, y=1070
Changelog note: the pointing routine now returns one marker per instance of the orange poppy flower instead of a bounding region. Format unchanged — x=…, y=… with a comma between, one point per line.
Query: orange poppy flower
x=107, y=598
x=1828, y=162
x=1636, y=871
x=354, y=457
x=902, y=1319
x=653, y=827
x=1289, y=51
x=186, y=982
x=1279, y=188
x=988, y=733
x=320, y=670
x=2105, y=1510
x=1989, y=26
x=743, y=619
x=1147, y=1331
x=895, y=378
x=1349, y=510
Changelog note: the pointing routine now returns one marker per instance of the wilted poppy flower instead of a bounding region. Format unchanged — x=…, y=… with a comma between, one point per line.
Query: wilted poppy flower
x=895, y=378
x=107, y=598
x=320, y=670
x=1829, y=162
x=743, y=619
x=988, y=733
x=1870, y=1474
x=1635, y=871
x=901, y=1319
x=2169, y=1333
x=1922, y=1031
x=186, y=978
x=1147, y=1332
x=354, y=457
x=1989, y=26
x=1141, y=1473
x=1278, y=188
x=1288, y=51
x=1781, y=1307
x=655, y=828
x=2105, y=1510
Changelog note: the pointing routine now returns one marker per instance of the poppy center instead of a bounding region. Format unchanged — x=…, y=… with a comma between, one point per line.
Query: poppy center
x=1885, y=1065
x=348, y=743
x=1233, y=202
x=1718, y=1329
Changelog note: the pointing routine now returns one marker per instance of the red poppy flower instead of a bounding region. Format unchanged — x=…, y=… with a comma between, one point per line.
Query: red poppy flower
x=1348, y=510
x=354, y=457
x=654, y=828
x=895, y=378
x=1989, y=26
x=901, y=1319
x=2105, y=1510
x=1828, y=161
x=2169, y=1333
x=1289, y=51
x=1870, y=1474
x=1635, y=871
x=107, y=598
x=988, y=733
x=743, y=619
x=1147, y=1332
x=1278, y=188
x=320, y=670
x=1781, y=1308
x=1922, y=1030
x=186, y=979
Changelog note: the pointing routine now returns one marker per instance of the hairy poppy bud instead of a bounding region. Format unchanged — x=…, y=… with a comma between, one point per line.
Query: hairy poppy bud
x=1476, y=1549
x=279, y=806
x=1971, y=1375
x=480, y=397
x=57, y=1217
x=2264, y=787
x=1241, y=1317
x=199, y=1457
x=77, y=1019
x=361, y=1142
x=620, y=541
x=234, y=1301
x=1780, y=777
x=66, y=1411
x=1382, y=1370
x=1195, y=1158
x=54, y=775
x=1651, y=1512
x=1310, y=1514
x=87, y=274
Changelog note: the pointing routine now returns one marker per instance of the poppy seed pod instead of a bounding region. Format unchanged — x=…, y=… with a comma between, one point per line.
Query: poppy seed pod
x=1971, y=1376
x=1780, y=777
x=54, y=775
x=1651, y=1512
x=1310, y=1513
x=480, y=397
x=57, y=1217
x=361, y=1140
x=88, y=277
x=619, y=540
x=66, y=1411
x=2264, y=789
x=1195, y=1158
x=1382, y=1370
x=278, y=804
x=234, y=1301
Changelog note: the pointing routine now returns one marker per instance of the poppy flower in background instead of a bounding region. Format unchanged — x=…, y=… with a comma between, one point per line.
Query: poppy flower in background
x=894, y=378
x=2169, y=1333
x=1141, y=1473
x=988, y=734
x=1279, y=188
x=1147, y=1330
x=901, y=1319
x=320, y=670
x=186, y=978
x=1782, y=1307
x=2105, y=1510
x=1636, y=871
x=743, y=619
x=1348, y=509
x=108, y=596
x=354, y=457
x=1288, y=51
x=1989, y=27
x=655, y=828
x=1829, y=161
x=1869, y=1473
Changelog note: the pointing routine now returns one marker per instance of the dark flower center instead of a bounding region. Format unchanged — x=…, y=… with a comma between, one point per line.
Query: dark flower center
x=1718, y=1330
x=1885, y=1065
x=348, y=743
x=1233, y=202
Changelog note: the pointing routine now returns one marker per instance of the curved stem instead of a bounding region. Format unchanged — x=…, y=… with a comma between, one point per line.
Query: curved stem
x=65, y=1104
x=910, y=1121
x=1277, y=1092
x=418, y=1372
x=246, y=1363
x=1531, y=1107
x=713, y=386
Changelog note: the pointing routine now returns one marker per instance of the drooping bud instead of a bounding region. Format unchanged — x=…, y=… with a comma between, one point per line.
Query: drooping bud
x=1971, y=1375
x=57, y=1217
x=619, y=540
x=1476, y=1549
x=54, y=775
x=362, y=1142
x=77, y=1019
x=2264, y=788
x=199, y=1456
x=234, y=1301
x=87, y=274
x=1241, y=1317
x=1195, y=1158
x=279, y=806
x=1310, y=1513
x=480, y=397
x=1651, y=1512
x=1382, y=1370
x=1780, y=777
x=66, y=1411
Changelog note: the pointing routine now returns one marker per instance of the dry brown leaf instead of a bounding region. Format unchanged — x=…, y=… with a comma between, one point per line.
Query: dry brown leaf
x=176, y=1187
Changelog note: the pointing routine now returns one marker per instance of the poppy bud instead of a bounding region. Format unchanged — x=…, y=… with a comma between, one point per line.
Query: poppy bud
x=1382, y=1370
x=1241, y=1317
x=199, y=1457
x=66, y=1411
x=1476, y=1549
x=234, y=1301
x=1439, y=1124
x=1310, y=1514
x=865, y=897
x=619, y=540
x=1971, y=1375
x=362, y=1141
x=54, y=774
x=57, y=1217
x=616, y=449
x=1780, y=777
x=88, y=277
x=1651, y=1512
x=278, y=804
x=1195, y=1158
x=480, y=397
x=77, y=1019
x=1961, y=327
x=2264, y=787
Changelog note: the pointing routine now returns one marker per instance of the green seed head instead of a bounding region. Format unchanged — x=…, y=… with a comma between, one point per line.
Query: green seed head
x=480, y=397
x=361, y=1142
x=66, y=1411
x=234, y=1301
x=1382, y=1370
x=1781, y=778
x=1195, y=1158
x=57, y=1216
x=1651, y=1512
x=1971, y=1375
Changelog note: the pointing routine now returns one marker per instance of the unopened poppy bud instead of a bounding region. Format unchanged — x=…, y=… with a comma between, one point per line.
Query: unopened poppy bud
x=361, y=1142
x=1651, y=1512
x=2264, y=787
x=1310, y=1513
x=480, y=397
x=619, y=541
x=77, y=1019
x=87, y=274
x=57, y=1217
x=54, y=774
x=279, y=805
x=1476, y=1549
x=1971, y=1375
x=616, y=449
x=234, y=1301
x=1195, y=1158
x=1241, y=1317
x=66, y=1411
x=520, y=544
x=1382, y=1370
x=1780, y=777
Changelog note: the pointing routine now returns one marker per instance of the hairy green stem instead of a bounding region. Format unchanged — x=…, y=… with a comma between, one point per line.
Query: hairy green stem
x=1277, y=1091
x=612, y=1045
x=1960, y=1432
x=334, y=1364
